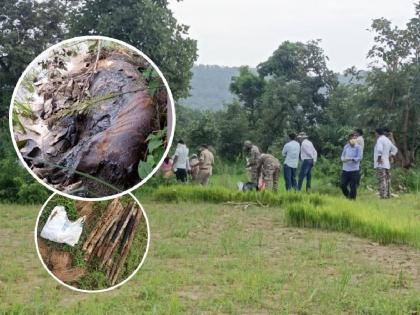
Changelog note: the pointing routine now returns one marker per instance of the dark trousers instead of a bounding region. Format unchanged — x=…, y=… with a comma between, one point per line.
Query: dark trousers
x=305, y=171
x=181, y=175
x=349, y=179
x=290, y=177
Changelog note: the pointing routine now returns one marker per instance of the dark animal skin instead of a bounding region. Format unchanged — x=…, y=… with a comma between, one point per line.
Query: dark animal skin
x=108, y=141
x=114, y=153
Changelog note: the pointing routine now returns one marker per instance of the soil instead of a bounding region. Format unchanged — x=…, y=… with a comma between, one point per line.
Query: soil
x=60, y=263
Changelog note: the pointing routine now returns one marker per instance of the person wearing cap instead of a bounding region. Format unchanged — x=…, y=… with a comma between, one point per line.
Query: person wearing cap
x=194, y=167
x=206, y=162
x=252, y=162
x=291, y=152
x=269, y=167
x=308, y=155
x=351, y=156
x=180, y=162
x=384, y=149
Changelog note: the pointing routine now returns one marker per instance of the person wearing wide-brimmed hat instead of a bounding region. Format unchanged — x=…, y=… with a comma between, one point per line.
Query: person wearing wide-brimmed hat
x=308, y=155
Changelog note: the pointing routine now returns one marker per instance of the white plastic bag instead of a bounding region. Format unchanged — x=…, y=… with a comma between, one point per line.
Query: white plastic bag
x=60, y=229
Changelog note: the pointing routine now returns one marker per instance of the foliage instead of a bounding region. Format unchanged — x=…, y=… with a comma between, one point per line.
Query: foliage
x=155, y=149
x=248, y=86
x=234, y=128
x=16, y=184
x=27, y=28
x=148, y=25
x=394, y=89
x=205, y=130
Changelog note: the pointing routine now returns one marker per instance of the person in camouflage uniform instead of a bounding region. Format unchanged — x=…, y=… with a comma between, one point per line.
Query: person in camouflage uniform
x=269, y=167
x=252, y=162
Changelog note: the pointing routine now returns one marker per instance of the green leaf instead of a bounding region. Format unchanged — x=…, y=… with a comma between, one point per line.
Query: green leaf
x=151, y=160
x=154, y=144
x=158, y=153
x=144, y=169
x=153, y=87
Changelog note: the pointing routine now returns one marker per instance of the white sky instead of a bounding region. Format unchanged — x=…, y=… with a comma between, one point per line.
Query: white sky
x=246, y=32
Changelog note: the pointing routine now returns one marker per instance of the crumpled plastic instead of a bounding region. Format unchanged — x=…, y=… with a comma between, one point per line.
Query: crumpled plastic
x=60, y=229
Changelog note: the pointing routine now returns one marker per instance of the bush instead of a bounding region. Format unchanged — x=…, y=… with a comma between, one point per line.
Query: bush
x=17, y=185
x=405, y=180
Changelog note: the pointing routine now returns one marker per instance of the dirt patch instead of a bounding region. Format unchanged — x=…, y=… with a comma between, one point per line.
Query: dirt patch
x=85, y=208
x=395, y=259
x=60, y=263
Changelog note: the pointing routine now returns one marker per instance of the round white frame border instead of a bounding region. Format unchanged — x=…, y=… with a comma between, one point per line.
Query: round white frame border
x=101, y=290
x=171, y=122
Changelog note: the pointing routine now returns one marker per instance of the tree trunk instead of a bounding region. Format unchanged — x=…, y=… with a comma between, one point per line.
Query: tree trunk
x=406, y=160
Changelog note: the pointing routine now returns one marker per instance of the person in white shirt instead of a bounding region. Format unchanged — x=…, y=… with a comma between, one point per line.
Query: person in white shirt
x=361, y=142
x=291, y=152
x=384, y=149
x=181, y=162
x=308, y=155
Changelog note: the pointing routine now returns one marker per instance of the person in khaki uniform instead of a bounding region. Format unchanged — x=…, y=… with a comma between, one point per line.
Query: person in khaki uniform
x=269, y=167
x=195, y=167
x=252, y=162
x=205, y=165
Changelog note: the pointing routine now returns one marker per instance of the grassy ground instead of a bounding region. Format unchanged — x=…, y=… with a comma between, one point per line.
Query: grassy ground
x=216, y=258
x=367, y=217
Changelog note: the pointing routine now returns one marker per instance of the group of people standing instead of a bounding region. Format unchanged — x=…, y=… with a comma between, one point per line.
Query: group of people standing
x=199, y=167
x=352, y=155
x=266, y=167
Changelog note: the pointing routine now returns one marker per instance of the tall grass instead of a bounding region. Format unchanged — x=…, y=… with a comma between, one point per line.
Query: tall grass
x=372, y=219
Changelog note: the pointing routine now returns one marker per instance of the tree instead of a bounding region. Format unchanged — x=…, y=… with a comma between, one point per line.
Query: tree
x=297, y=90
x=234, y=130
x=27, y=28
x=205, y=131
x=148, y=25
x=248, y=87
x=394, y=83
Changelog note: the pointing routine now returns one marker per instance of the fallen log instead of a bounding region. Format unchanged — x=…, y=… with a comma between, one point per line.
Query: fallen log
x=116, y=269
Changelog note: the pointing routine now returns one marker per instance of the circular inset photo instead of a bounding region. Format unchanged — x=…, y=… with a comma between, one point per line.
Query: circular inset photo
x=92, y=246
x=92, y=117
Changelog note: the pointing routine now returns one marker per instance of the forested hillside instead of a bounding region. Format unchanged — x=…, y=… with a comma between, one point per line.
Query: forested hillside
x=210, y=86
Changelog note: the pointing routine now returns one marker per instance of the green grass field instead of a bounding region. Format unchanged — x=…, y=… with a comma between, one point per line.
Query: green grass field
x=216, y=258
x=384, y=221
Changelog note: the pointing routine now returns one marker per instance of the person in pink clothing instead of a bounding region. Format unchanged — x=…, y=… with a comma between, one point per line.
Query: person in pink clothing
x=166, y=167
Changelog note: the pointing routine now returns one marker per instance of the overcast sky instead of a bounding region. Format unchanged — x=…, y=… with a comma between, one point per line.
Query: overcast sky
x=239, y=32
